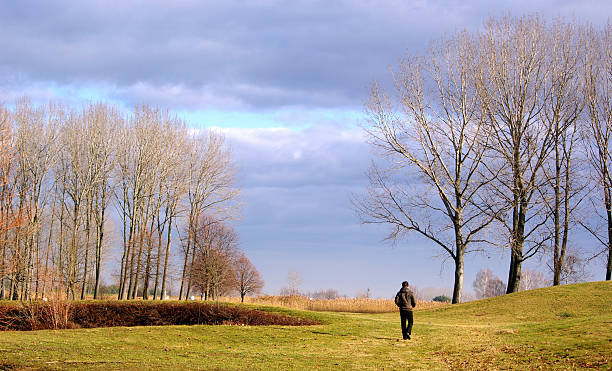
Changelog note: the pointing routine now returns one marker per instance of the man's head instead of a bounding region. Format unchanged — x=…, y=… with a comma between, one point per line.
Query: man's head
x=405, y=284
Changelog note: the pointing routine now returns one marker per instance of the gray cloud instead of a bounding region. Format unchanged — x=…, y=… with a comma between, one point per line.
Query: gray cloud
x=297, y=216
x=317, y=156
x=251, y=54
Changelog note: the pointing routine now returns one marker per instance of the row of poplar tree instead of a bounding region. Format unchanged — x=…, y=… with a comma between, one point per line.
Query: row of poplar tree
x=68, y=174
x=498, y=137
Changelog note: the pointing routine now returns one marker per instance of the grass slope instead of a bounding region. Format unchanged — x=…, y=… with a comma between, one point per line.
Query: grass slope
x=567, y=327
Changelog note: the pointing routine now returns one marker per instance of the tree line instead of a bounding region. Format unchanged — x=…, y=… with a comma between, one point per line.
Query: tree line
x=67, y=175
x=498, y=137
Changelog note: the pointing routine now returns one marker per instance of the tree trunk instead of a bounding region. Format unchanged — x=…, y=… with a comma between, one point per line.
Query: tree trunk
x=518, y=237
x=557, y=262
x=48, y=251
x=147, y=275
x=163, y=283
x=609, y=266
x=87, y=243
x=138, y=265
x=186, y=261
x=458, y=287
x=516, y=259
x=189, y=278
x=124, y=258
x=157, y=263
x=99, y=241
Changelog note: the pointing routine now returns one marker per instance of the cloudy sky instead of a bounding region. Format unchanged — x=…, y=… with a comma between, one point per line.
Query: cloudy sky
x=286, y=82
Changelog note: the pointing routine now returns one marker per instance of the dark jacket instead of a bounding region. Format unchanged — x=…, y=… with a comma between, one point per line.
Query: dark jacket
x=405, y=299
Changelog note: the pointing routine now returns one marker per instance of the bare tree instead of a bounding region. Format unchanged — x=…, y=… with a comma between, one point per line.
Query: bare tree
x=488, y=285
x=512, y=85
x=598, y=94
x=138, y=162
x=433, y=141
x=168, y=127
x=210, y=189
x=174, y=190
x=59, y=171
x=211, y=270
x=103, y=122
x=574, y=269
x=35, y=134
x=294, y=281
x=76, y=166
x=171, y=189
x=563, y=88
x=532, y=279
x=331, y=294
x=247, y=279
x=10, y=219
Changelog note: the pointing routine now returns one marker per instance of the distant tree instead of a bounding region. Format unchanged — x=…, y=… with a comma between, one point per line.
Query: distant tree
x=247, y=279
x=294, y=281
x=487, y=285
x=496, y=287
x=214, y=253
x=532, y=280
x=364, y=294
x=574, y=270
x=328, y=294
x=442, y=299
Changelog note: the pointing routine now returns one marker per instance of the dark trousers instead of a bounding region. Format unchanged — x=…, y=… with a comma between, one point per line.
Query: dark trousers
x=406, y=315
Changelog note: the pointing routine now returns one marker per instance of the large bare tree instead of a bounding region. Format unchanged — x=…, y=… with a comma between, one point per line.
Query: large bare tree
x=10, y=217
x=431, y=142
x=512, y=85
x=562, y=113
x=102, y=124
x=35, y=133
x=598, y=94
x=210, y=189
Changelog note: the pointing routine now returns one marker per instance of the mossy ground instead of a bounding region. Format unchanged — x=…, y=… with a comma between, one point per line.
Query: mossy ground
x=567, y=327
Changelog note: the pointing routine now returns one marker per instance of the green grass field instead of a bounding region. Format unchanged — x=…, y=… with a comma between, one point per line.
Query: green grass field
x=567, y=327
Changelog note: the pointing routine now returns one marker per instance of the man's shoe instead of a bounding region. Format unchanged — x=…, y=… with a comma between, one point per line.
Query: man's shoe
x=407, y=337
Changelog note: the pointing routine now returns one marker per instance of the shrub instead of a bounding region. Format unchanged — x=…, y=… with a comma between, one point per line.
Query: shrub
x=442, y=299
x=35, y=315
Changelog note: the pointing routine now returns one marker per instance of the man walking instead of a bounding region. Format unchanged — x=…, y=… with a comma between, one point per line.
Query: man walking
x=405, y=301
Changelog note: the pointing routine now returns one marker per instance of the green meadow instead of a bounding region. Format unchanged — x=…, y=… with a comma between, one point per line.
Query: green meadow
x=566, y=327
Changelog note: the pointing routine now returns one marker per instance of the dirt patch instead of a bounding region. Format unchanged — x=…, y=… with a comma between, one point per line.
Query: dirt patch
x=39, y=316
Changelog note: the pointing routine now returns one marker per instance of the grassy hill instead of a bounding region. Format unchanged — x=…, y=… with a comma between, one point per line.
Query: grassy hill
x=546, y=304
x=566, y=327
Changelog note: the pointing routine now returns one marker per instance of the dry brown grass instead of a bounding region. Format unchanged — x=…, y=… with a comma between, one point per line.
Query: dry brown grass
x=353, y=305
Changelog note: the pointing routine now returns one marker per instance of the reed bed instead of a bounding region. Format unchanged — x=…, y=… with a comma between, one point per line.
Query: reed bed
x=354, y=305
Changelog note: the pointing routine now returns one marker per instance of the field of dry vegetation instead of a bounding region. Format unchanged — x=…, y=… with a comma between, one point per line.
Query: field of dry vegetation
x=350, y=305
x=354, y=305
